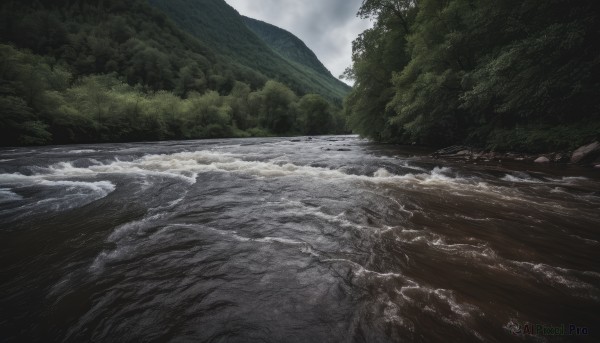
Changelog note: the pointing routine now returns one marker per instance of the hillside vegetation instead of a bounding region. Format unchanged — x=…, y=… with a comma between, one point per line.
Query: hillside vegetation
x=506, y=75
x=219, y=25
x=286, y=44
x=75, y=71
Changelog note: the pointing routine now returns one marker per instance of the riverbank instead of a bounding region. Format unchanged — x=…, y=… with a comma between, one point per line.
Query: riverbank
x=587, y=155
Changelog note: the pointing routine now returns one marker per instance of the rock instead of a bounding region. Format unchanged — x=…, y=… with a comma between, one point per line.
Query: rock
x=597, y=166
x=344, y=150
x=542, y=159
x=451, y=150
x=586, y=153
x=489, y=156
x=463, y=153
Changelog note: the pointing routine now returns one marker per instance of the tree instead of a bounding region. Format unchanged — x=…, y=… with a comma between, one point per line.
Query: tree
x=314, y=115
x=276, y=107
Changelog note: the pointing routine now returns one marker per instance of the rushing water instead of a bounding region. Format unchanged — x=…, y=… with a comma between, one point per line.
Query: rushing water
x=331, y=239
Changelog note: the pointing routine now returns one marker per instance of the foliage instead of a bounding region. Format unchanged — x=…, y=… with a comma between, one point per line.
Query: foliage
x=275, y=53
x=74, y=71
x=41, y=105
x=288, y=46
x=462, y=71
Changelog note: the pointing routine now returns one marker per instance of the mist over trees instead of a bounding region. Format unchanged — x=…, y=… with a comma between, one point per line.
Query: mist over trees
x=508, y=74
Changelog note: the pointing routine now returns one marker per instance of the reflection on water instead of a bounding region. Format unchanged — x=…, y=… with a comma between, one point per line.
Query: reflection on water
x=305, y=240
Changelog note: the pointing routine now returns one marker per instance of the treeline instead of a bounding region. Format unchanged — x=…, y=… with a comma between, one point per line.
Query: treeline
x=217, y=24
x=75, y=71
x=43, y=103
x=502, y=74
x=129, y=38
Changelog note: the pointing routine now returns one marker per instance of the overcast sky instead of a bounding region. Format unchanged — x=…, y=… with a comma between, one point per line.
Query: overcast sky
x=328, y=27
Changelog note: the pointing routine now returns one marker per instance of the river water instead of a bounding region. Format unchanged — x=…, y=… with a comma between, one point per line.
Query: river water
x=324, y=239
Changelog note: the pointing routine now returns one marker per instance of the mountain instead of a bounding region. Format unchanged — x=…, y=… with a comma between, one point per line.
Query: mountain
x=220, y=26
x=86, y=71
x=286, y=44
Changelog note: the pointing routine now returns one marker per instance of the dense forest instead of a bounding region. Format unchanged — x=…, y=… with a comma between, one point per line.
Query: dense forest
x=287, y=45
x=502, y=74
x=76, y=71
x=220, y=26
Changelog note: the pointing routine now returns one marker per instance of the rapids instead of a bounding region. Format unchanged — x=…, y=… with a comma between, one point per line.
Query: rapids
x=325, y=239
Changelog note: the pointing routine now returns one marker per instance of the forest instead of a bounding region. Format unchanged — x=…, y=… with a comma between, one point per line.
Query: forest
x=259, y=46
x=521, y=75
x=105, y=71
x=518, y=75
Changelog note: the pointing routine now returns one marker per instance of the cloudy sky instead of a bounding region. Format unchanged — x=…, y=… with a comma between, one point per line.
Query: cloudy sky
x=328, y=27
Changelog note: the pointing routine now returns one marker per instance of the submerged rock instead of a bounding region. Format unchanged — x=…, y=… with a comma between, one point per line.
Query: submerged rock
x=586, y=153
x=452, y=150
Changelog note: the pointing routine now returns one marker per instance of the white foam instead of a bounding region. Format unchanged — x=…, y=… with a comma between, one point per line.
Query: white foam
x=106, y=256
x=7, y=195
x=382, y=172
x=518, y=179
x=473, y=219
x=187, y=165
x=134, y=227
x=100, y=188
x=359, y=270
x=557, y=276
x=72, y=193
x=82, y=151
x=434, y=300
x=278, y=240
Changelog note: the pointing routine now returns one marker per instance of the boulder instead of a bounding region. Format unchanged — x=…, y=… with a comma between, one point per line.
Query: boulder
x=451, y=150
x=586, y=153
x=542, y=159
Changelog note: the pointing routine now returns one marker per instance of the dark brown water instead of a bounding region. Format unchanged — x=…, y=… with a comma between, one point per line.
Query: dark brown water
x=332, y=239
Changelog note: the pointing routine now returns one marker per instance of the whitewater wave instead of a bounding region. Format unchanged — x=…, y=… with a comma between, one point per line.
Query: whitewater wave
x=187, y=166
x=7, y=195
x=64, y=194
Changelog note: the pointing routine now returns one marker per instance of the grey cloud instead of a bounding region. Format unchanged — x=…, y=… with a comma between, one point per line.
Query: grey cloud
x=328, y=27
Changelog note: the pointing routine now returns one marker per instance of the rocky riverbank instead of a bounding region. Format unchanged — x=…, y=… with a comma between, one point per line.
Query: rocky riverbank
x=588, y=155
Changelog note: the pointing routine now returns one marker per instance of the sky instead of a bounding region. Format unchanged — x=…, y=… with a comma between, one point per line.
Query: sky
x=327, y=27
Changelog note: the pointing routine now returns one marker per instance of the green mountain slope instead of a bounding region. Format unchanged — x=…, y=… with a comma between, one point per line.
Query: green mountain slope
x=133, y=40
x=84, y=71
x=218, y=25
x=286, y=44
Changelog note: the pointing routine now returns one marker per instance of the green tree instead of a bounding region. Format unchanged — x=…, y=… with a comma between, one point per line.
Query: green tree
x=315, y=115
x=276, y=110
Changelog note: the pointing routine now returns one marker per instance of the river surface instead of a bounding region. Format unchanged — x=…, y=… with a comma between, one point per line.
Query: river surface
x=324, y=239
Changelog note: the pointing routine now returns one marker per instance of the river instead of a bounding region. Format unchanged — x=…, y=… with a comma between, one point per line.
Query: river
x=312, y=239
